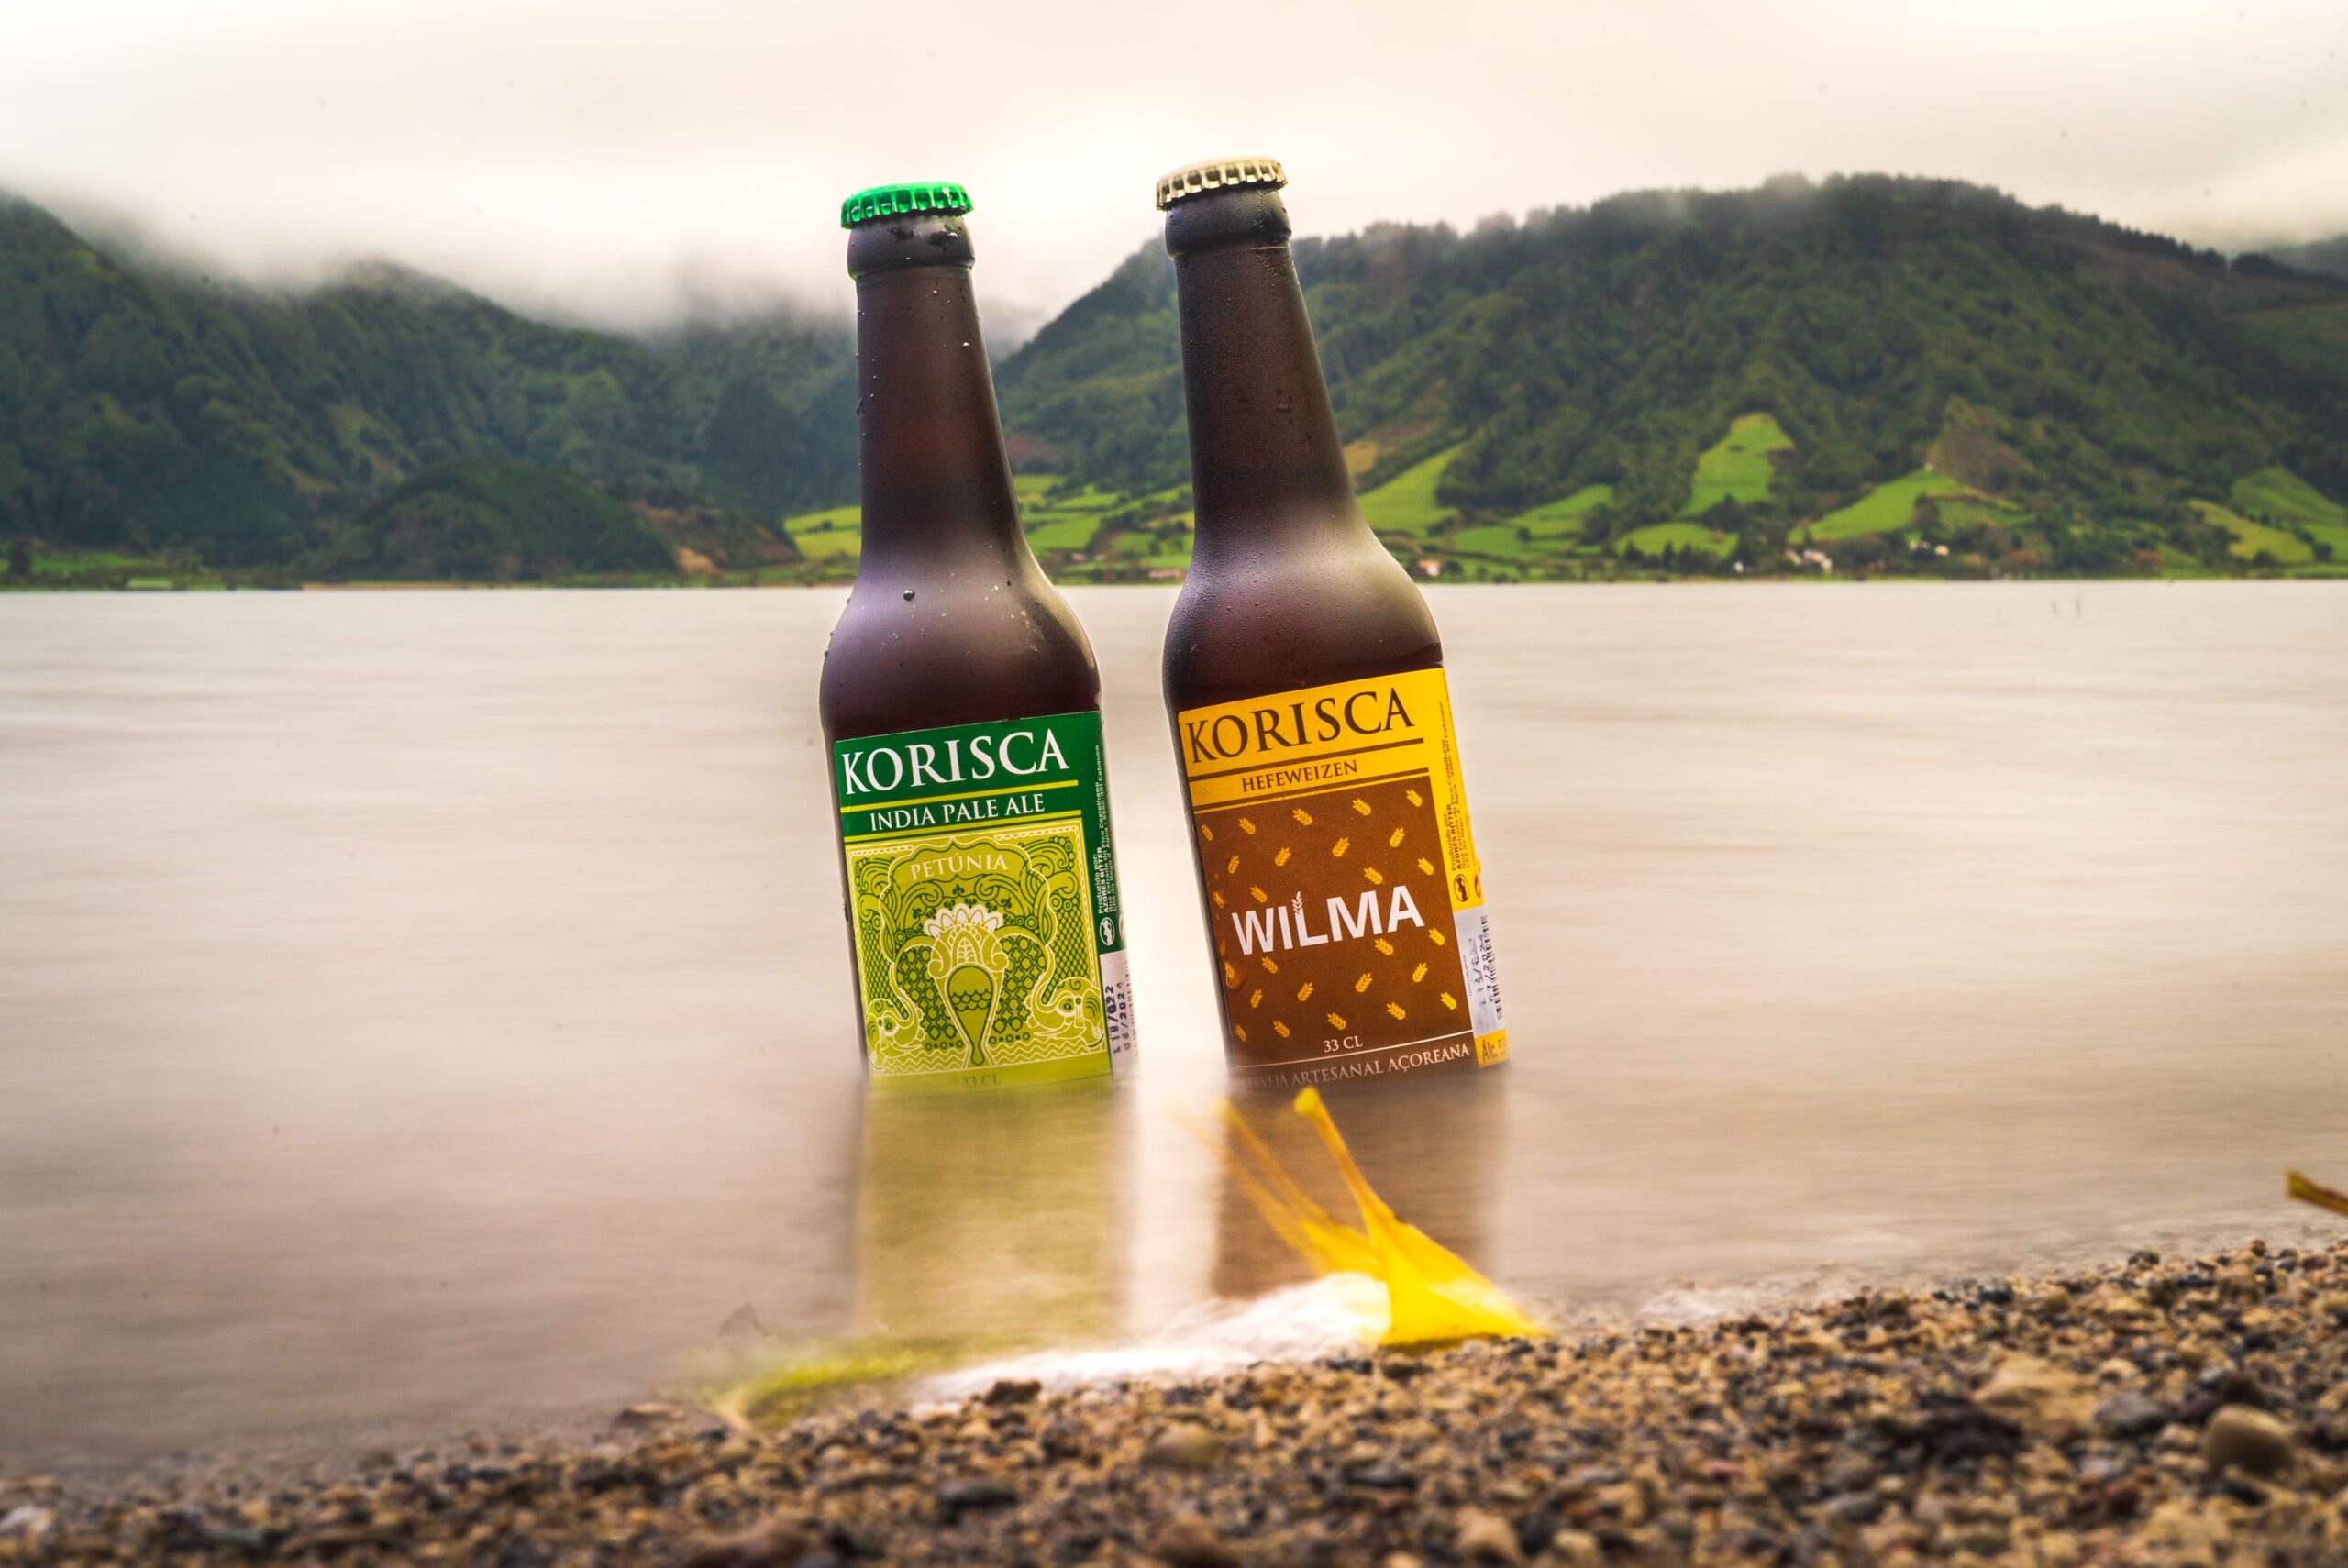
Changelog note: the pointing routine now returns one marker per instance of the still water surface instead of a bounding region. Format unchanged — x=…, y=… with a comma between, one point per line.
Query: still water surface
x=430, y=1010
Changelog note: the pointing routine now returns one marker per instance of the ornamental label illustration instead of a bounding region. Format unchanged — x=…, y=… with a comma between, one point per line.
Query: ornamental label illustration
x=1342, y=889
x=989, y=943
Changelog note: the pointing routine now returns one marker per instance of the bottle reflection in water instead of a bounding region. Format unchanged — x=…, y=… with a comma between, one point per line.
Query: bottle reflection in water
x=996, y=1218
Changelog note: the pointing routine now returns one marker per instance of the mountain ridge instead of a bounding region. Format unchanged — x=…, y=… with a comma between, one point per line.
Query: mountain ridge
x=1951, y=377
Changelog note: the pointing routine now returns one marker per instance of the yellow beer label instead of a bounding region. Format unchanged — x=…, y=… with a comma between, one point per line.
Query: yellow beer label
x=1342, y=885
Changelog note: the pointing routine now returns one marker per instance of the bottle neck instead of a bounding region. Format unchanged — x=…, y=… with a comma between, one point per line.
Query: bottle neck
x=936, y=481
x=1265, y=457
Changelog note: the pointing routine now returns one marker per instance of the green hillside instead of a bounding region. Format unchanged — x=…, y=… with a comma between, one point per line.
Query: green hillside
x=1780, y=362
x=152, y=413
x=482, y=520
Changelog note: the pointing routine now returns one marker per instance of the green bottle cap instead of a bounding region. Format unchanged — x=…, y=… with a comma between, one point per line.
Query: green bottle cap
x=894, y=200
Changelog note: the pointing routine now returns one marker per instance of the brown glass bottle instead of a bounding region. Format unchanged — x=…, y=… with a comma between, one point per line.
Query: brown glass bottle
x=962, y=706
x=1304, y=674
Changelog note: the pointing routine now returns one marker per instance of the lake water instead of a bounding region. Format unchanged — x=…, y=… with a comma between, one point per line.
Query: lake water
x=428, y=1010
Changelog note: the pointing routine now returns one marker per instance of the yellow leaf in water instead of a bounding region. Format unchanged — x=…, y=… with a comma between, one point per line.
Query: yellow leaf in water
x=2315, y=1192
x=1433, y=1295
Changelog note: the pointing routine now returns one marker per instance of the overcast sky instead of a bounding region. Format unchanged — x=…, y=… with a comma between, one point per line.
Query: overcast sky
x=620, y=161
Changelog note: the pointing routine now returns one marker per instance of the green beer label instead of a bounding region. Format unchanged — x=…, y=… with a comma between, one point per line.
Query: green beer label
x=982, y=903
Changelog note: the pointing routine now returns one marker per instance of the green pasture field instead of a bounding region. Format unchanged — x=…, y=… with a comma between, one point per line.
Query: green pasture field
x=1561, y=519
x=817, y=522
x=2278, y=495
x=1491, y=539
x=2250, y=538
x=1886, y=508
x=1657, y=538
x=1738, y=467
x=1406, y=503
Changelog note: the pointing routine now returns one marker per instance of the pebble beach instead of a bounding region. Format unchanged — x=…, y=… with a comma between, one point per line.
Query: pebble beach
x=2157, y=1411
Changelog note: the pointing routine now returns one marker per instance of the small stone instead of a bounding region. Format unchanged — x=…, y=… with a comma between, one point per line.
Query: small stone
x=1483, y=1537
x=651, y=1414
x=780, y=1542
x=2250, y=1441
x=1190, y=1542
x=2132, y=1414
x=2041, y=1399
x=1014, y=1391
x=28, y=1521
x=1858, y=1507
x=1849, y=1472
x=957, y=1497
x=1575, y=1549
x=1185, y=1445
x=1381, y=1476
x=2104, y=1468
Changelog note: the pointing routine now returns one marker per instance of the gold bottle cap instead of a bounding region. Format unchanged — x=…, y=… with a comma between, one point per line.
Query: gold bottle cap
x=1218, y=174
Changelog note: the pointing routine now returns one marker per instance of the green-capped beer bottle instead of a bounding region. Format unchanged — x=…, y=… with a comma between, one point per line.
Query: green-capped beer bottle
x=962, y=706
x=1345, y=904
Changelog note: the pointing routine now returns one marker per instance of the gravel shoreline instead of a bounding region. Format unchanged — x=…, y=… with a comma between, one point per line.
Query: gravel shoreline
x=2186, y=1412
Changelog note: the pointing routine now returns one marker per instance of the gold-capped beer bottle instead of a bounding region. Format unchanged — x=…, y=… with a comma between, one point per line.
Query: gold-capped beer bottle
x=1343, y=902
x=962, y=706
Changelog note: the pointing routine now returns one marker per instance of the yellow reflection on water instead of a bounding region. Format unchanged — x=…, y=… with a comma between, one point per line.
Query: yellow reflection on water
x=995, y=1218
x=1433, y=1295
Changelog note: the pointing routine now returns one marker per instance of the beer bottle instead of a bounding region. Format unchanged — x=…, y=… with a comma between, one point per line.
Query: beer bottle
x=961, y=709
x=1304, y=675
